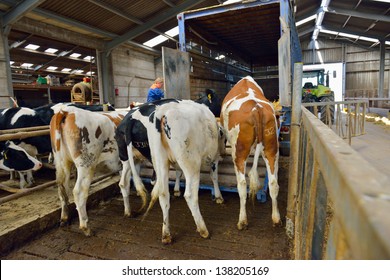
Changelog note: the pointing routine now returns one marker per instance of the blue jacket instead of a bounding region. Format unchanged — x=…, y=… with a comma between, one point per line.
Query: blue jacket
x=154, y=93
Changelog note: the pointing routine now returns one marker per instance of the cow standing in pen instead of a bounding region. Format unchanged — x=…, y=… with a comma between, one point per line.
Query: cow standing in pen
x=250, y=124
x=132, y=138
x=15, y=158
x=185, y=134
x=84, y=139
x=20, y=117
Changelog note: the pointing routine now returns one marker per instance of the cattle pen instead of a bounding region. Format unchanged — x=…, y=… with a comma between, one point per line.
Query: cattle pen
x=333, y=203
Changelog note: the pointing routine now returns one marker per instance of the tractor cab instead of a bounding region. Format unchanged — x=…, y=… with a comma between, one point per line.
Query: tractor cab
x=315, y=85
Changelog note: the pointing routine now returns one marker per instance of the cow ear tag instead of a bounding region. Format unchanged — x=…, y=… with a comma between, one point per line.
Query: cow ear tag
x=5, y=155
x=209, y=97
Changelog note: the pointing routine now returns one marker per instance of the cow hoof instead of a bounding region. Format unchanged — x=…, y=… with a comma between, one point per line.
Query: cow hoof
x=167, y=239
x=204, y=233
x=278, y=224
x=87, y=231
x=242, y=225
x=127, y=215
x=64, y=223
x=219, y=200
x=176, y=193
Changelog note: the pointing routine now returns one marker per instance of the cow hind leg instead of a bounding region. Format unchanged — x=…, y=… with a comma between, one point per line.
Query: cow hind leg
x=63, y=182
x=163, y=196
x=124, y=185
x=273, y=189
x=80, y=193
x=192, y=197
x=241, y=187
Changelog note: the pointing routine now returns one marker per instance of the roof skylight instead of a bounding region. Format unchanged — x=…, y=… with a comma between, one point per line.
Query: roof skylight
x=51, y=50
x=160, y=38
x=32, y=47
x=27, y=65
x=75, y=55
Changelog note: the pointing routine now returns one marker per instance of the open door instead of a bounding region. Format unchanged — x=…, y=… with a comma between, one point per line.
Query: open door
x=176, y=71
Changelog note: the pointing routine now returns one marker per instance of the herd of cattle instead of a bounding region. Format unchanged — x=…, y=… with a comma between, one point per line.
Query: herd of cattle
x=182, y=134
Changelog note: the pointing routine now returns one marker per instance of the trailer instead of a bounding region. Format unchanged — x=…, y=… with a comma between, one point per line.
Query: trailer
x=224, y=43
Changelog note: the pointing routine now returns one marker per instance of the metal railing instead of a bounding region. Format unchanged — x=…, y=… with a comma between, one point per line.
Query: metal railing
x=349, y=119
x=337, y=202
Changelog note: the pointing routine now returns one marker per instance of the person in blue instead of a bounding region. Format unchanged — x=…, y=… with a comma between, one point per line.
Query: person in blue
x=155, y=92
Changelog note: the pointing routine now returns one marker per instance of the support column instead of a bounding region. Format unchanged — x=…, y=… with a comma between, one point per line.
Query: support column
x=106, y=87
x=381, y=72
x=6, y=89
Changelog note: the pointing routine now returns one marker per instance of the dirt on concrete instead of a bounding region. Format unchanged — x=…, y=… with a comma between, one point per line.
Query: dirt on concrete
x=30, y=228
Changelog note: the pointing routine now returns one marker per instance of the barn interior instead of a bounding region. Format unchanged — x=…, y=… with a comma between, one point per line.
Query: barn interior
x=49, y=46
x=69, y=41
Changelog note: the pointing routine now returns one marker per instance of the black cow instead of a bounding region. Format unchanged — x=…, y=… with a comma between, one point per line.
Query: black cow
x=211, y=100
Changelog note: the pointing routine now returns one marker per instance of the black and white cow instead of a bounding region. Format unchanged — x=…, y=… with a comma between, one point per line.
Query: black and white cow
x=20, y=117
x=15, y=158
x=133, y=144
x=46, y=112
x=185, y=134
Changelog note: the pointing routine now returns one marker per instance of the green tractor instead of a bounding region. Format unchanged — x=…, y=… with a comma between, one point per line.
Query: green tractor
x=316, y=89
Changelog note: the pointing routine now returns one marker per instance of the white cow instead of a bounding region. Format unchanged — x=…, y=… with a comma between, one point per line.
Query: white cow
x=185, y=134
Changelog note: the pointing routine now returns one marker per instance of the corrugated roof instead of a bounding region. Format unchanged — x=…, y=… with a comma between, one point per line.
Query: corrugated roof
x=365, y=18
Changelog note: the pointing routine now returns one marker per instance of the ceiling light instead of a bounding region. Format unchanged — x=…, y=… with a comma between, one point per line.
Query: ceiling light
x=75, y=55
x=32, y=47
x=11, y=62
x=89, y=73
x=52, y=68
x=27, y=65
x=66, y=70
x=51, y=50
x=88, y=57
x=231, y=2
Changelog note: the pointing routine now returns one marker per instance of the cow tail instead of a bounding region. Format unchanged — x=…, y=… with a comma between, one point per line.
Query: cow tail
x=55, y=126
x=153, y=200
x=258, y=122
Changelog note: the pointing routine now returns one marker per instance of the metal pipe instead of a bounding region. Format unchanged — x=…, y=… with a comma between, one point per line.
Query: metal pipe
x=25, y=192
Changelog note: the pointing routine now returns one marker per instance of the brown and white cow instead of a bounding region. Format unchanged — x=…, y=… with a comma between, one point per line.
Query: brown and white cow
x=250, y=124
x=85, y=139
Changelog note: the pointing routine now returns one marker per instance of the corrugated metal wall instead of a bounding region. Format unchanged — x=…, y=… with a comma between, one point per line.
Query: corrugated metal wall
x=362, y=66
